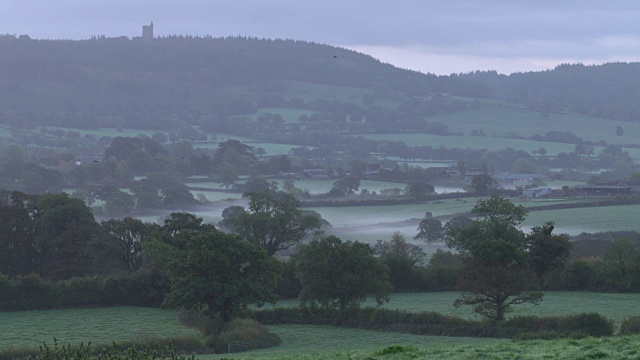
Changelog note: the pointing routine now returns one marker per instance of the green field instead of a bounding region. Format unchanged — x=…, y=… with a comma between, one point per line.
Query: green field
x=301, y=340
x=478, y=142
x=594, y=219
x=110, y=131
x=290, y=116
x=101, y=325
x=501, y=120
x=310, y=91
x=590, y=348
x=269, y=148
x=616, y=307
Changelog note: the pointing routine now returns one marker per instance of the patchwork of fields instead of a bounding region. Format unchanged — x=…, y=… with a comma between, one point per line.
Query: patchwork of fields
x=103, y=325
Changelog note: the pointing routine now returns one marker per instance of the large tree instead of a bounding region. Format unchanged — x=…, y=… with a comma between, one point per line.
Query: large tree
x=401, y=258
x=273, y=221
x=430, y=230
x=119, y=244
x=340, y=274
x=547, y=251
x=497, y=271
x=65, y=226
x=215, y=272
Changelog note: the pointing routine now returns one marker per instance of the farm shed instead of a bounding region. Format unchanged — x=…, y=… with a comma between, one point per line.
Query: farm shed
x=536, y=192
x=603, y=189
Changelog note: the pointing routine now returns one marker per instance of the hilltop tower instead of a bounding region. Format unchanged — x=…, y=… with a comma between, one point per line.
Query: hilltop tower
x=147, y=32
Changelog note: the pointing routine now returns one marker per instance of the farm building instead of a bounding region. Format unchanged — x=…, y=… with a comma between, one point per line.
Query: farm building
x=536, y=192
x=603, y=189
x=315, y=174
x=507, y=180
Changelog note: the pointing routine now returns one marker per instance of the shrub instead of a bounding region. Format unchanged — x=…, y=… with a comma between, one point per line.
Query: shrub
x=591, y=324
x=242, y=335
x=630, y=326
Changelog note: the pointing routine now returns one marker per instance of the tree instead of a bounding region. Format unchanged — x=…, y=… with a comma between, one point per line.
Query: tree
x=418, y=190
x=217, y=272
x=619, y=130
x=119, y=245
x=119, y=204
x=401, y=258
x=337, y=274
x=256, y=184
x=497, y=271
x=19, y=254
x=65, y=227
x=430, y=230
x=621, y=260
x=226, y=174
x=273, y=222
x=347, y=185
x=456, y=222
x=547, y=251
x=542, y=151
x=483, y=184
x=177, y=197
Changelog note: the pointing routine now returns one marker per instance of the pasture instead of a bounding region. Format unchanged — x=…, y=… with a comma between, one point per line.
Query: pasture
x=302, y=340
x=100, y=326
x=501, y=120
x=592, y=219
x=589, y=348
x=476, y=142
x=309, y=92
x=269, y=148
x=616, y=307
x=290, y=116
x=103, y=325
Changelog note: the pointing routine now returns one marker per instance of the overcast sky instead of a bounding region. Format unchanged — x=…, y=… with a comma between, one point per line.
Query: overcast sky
x=441, y=37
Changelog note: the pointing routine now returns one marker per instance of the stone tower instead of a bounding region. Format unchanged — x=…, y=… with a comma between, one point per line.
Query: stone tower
x=147, y=32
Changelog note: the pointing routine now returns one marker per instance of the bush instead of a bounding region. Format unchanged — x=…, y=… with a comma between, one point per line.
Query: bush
x=242, y=335
x=630, y=326
x=591, y=324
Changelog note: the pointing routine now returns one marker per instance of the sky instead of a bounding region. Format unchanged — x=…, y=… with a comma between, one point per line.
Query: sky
x=440, y=37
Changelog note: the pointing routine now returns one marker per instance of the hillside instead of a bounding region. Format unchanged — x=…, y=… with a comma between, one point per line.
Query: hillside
x=107, y=82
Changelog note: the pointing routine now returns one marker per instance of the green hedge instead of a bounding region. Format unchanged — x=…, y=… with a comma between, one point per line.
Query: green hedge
x=30, y=292
x=431, y=323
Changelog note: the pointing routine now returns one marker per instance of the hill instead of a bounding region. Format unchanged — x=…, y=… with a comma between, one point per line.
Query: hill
x=107, y=82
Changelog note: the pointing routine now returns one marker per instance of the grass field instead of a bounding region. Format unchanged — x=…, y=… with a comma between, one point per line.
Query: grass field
x=110, y=131
x=501, y=120
x=476, y=142
x=309, y=91
x=290, y=116
x=104, y=325
x=101, y=325
x=594, y=219
x=589, y=348
x=299, y=340
x=616, y=307
x=269, y=148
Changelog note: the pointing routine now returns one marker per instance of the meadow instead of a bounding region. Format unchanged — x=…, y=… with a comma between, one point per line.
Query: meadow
x=616, y=307
x=100, y=325
x=625, y=347
x=290, y=116
x=310, y=91
x=103, y=325
x=591, y=219
x=502, y=120
x=478, y=142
